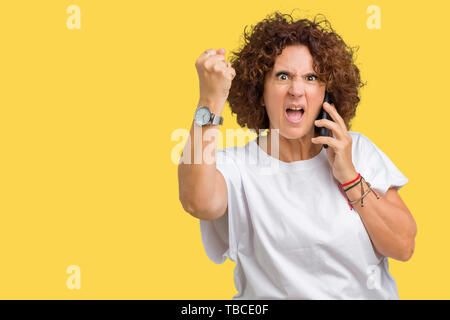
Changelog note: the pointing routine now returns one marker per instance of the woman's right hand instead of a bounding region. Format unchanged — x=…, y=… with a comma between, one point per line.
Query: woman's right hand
x=215, y=77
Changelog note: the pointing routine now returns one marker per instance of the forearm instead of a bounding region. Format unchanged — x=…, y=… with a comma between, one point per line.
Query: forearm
x=197, y=168
x=390, y=228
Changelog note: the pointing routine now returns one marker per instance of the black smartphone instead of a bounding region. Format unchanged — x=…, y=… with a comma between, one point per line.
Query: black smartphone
x=322, y=131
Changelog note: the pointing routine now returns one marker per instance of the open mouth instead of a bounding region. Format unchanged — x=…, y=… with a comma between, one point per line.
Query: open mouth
x=294, y=116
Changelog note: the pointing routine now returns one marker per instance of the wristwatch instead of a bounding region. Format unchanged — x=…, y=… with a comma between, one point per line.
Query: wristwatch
x=204, y=116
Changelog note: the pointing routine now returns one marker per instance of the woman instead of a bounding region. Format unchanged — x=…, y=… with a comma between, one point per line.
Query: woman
x=321, y=223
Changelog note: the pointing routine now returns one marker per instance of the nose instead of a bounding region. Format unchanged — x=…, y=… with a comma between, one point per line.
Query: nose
x=297, y=88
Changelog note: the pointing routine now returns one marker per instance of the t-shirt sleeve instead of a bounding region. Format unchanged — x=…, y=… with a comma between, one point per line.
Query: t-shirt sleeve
x=376, y=168
x=219, y=235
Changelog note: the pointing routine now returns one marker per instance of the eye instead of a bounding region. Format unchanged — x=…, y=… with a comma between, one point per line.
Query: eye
x=313, y=76
x=281, y=74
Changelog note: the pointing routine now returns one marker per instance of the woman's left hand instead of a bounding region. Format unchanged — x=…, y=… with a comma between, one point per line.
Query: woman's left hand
x=339, y=149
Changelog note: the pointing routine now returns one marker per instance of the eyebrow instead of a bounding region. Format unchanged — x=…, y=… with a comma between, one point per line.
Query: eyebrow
x=290, y=73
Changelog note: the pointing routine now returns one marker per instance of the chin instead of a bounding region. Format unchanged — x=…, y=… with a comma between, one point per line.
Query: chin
x=293, y=133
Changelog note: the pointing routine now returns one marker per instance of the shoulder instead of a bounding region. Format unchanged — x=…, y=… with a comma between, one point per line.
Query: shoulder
x=360, y=142
x=362, y=147
x=228, y=162
x=357, y=137
x=228, y=155
x=231, y=155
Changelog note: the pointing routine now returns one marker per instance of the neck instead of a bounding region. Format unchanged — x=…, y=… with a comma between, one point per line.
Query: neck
x=292, y=149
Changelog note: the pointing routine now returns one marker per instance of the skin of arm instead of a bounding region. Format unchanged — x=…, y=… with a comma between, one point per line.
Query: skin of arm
x=388, y=221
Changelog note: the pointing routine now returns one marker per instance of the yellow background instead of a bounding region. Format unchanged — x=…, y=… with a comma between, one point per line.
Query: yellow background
x=86, y=118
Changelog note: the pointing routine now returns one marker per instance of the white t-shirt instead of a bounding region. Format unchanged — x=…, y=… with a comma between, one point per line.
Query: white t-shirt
x=290, y=230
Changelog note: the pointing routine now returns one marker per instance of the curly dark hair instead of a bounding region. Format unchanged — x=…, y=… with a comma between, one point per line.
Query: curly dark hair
x=333, y=62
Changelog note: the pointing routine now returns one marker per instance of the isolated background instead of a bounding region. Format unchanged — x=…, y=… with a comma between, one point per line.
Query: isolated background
x=87, y=116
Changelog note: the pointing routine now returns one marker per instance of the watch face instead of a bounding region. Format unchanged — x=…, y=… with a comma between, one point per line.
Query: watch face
x=202, y=116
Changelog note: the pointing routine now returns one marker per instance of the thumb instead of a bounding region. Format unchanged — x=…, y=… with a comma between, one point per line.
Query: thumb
x=221, y=51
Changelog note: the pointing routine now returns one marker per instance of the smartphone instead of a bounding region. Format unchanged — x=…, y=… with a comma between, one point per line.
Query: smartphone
x=322, y=131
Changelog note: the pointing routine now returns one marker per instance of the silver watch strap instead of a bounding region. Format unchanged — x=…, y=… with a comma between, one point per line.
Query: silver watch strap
x=215, y=119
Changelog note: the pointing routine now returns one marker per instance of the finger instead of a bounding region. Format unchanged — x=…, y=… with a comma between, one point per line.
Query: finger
x=232, y=72
x=213, y=60
x=219, y=67
x=217, y=57
x=228, y=65
x=209, y=52
x=205, y=55
x=331, y=109
x=212, y=52
x=332, y=142
x=333, y=126
x=221, y=51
